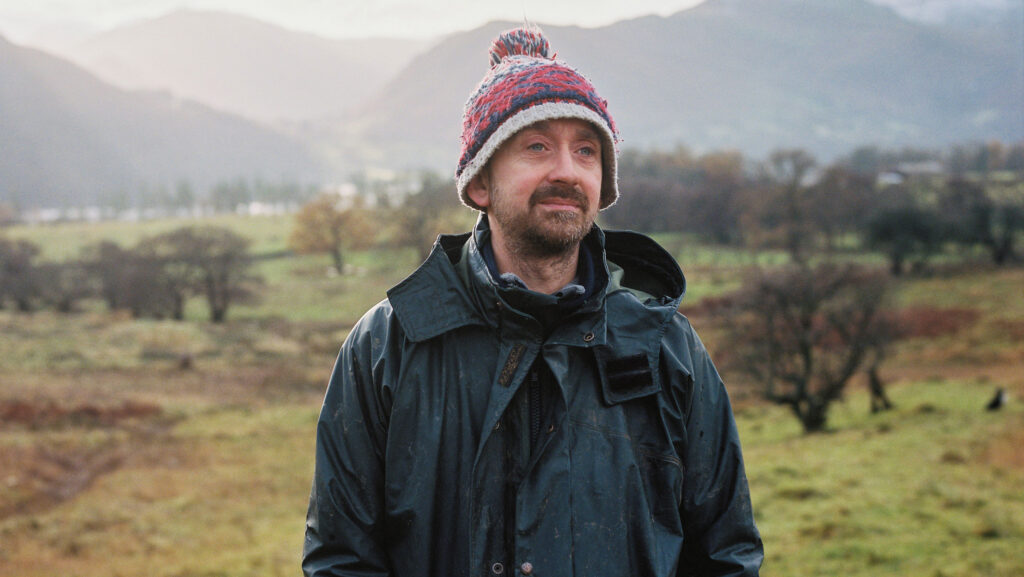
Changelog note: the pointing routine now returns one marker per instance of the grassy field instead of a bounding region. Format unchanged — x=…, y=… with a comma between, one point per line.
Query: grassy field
x=63, y=240
x=185, y=449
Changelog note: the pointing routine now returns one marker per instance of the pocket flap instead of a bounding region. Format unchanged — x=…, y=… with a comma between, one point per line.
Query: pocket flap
x=624, y=378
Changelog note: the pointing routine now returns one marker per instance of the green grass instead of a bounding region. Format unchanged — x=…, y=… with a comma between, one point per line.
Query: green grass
x=305, y=288
x=712, y=271
x=999, y=294
x=911, y=492
x=98, y=341
x=914, y=491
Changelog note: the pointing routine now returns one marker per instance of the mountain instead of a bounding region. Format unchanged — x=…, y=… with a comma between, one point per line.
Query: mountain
x=241, y=65
x=752, y=75
x=67, y=138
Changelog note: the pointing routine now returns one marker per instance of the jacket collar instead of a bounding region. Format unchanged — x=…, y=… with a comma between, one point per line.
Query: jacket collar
x=433, y=300
x=453, y=288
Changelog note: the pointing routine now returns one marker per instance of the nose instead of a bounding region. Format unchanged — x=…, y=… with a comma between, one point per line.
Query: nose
x=564, y=168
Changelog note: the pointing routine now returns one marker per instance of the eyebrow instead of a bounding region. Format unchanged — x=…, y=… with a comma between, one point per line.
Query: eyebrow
x=587, y=132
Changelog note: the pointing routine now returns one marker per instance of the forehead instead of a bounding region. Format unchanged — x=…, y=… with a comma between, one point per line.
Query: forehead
x=571, y=127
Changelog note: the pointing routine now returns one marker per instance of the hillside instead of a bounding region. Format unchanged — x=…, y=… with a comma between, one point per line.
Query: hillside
x=69, y=139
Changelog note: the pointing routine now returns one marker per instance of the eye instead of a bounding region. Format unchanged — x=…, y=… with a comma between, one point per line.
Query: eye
x=537, y=146
x=588, y=151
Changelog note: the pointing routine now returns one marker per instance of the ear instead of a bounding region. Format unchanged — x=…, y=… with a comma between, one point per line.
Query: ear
x=478, y=190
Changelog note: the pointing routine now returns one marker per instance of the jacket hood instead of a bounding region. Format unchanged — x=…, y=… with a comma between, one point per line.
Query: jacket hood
x=647, y=269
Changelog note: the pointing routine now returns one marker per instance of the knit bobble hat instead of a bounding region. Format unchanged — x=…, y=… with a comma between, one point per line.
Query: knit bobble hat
x=523, y=86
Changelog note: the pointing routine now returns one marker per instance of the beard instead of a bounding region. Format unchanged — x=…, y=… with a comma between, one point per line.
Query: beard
x=535, y=233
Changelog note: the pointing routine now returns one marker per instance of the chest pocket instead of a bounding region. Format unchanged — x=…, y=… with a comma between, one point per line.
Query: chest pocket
x=625, y=378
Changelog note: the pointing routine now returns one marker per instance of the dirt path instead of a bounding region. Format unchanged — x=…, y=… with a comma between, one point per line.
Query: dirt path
x=73, y=447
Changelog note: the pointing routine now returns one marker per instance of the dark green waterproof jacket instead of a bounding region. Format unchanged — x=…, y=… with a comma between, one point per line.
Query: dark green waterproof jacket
x=461, y=437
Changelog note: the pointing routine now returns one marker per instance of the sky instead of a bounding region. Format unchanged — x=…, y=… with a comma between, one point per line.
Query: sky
x=24, y=21
x=52, y=23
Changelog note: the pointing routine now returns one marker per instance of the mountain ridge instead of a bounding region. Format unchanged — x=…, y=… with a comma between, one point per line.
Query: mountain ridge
x=243, y=65
x=68, y=138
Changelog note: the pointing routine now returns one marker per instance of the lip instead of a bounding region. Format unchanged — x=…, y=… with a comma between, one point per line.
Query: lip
x=559, y=204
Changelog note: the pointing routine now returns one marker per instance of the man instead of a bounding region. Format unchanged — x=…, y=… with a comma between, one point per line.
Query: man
x=529, y=400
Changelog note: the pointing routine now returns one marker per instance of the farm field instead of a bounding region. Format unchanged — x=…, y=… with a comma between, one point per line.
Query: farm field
x=149, y=447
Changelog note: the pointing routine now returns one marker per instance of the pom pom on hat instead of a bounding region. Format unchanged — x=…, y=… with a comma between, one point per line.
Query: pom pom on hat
x=519, y=42
x=525, y=85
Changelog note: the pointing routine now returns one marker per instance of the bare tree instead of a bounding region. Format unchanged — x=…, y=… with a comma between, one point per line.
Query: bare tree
x=172, y=271
x=977, y=215
x=840, y=203
x=109, y=265
x=804, y=332
x=211, y=261
x=222, y=262
x=787, y=171
x=147, y=291
x=653, y=204
x=133, y=279
x=775, y=209
x=679, y=193
x=17, y=272
x=906, y=233
x=714, y=209
x=63, y=284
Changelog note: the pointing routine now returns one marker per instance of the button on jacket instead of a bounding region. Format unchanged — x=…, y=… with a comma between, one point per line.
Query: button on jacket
x=460, y=436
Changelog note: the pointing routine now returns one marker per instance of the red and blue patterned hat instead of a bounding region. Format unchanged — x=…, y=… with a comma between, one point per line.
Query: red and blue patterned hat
x=524, y=86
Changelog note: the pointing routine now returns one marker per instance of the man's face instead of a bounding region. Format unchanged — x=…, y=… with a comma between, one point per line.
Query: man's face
x=542, y=187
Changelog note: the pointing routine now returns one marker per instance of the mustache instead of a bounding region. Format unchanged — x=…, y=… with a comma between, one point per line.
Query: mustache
x=565, y=192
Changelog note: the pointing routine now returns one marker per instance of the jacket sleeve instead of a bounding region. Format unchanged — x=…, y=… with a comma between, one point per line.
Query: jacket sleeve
x=720, y=537
x=344, y=523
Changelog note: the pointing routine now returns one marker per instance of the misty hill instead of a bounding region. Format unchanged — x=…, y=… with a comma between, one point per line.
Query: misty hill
x=752, y=75
x=67, y=138
x=245, y=66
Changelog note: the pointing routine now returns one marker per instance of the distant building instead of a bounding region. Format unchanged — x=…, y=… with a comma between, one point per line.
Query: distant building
x=905, y=171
